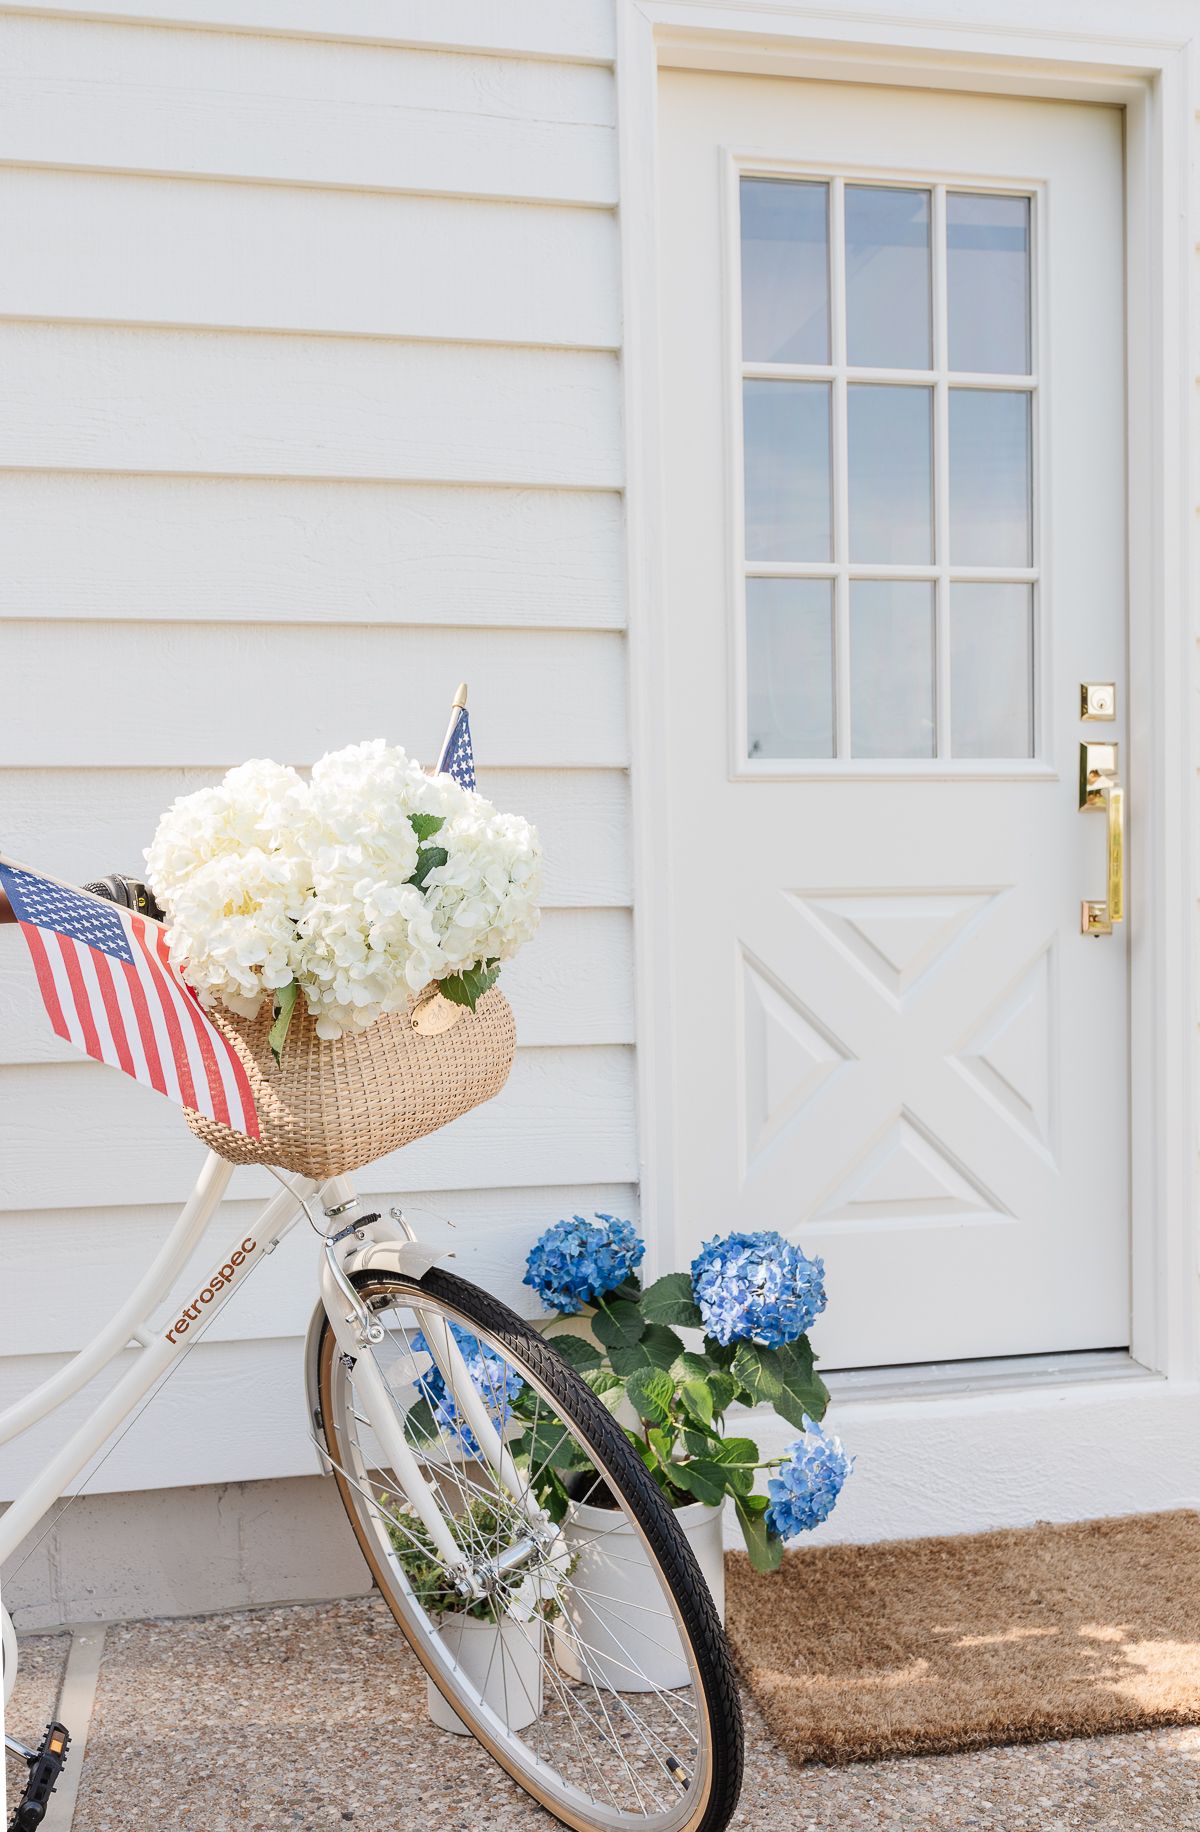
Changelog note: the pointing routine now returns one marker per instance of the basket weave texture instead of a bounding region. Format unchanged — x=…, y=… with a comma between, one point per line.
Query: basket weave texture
x=331, y=1107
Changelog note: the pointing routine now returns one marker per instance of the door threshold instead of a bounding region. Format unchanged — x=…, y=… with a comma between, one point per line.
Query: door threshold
x=932, y=1379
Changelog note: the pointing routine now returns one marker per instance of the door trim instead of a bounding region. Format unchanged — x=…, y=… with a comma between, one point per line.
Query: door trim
x=1150, y=83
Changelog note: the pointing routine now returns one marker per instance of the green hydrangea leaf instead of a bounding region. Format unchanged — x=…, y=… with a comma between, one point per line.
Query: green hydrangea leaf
x=550, y=1445
x=426, y=825
x=691, y=1367
x=669, y=1300
x=757, y=1371
x=469, y=987
x=285, y=1005
x=803, y=1390
x=697, y=1401
x=723, y=1388
x=656, y=1347
x=794, y=1403
x=661, y=1346
x=647, y=1352
x=742, y=1451
x=553, y=1497
x=704, y=1481
x=419, y=1423
x=650, y=1392
x=619, y=1325
x=795, y=1360
x=627, y=1360
x=663, y=1442
x=648, y=1455
x=581, y=1353
x=427, y=858
x=765, y=1548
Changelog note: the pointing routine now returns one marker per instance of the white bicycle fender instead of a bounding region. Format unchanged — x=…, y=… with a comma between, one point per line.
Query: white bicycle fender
x=413, y=1259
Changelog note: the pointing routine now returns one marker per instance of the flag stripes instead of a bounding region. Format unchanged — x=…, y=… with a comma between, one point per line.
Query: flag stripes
x=110, y=988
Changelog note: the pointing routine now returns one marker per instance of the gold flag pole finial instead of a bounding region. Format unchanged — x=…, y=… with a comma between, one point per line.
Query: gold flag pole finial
x=457, y=705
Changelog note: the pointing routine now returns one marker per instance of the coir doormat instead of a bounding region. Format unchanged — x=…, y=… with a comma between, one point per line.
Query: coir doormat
x=924, y=1646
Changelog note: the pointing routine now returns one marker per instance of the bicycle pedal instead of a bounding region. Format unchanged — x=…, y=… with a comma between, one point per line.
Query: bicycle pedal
x=45, y=1767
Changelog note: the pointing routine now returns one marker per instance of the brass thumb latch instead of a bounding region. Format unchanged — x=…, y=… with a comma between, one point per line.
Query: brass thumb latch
x=1100, y=787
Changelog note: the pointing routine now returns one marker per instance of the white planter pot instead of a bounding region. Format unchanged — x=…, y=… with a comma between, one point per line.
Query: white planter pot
x=510, y=1676
x=621, y=1638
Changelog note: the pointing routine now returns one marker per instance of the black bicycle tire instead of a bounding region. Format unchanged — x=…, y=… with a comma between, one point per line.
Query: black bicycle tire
x=642, y=1497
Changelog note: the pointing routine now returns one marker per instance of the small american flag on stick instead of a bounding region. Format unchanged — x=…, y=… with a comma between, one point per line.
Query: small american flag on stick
x=109, y=987
x=457, y=758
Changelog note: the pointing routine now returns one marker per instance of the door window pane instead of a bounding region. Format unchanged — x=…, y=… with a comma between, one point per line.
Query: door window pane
x=991, y=670
x=990, y=520
x=853, y=477
x=785, y=271
x=789, y=635
x=891, y=668
x=887, y=278
x=890, y=481
x=987, y=269
x=786, y=431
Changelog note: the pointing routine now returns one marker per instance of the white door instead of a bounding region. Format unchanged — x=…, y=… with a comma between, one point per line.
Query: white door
x=892, y=346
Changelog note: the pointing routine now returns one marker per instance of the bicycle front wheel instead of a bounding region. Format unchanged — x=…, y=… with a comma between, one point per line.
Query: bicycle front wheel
x=587, y=1655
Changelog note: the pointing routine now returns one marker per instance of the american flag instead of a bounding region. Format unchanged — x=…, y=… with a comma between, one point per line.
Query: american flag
x=457, y=758
x=109, y=988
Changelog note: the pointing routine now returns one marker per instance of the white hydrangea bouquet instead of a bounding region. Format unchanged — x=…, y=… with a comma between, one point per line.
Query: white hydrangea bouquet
x=327, y=915
x=356, y=889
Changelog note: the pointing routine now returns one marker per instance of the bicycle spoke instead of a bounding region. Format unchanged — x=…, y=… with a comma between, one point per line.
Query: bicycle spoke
x=640, y=1729
x=549, y=1664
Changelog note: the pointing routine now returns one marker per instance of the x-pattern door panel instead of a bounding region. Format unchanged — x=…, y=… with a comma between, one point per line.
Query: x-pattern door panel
x=972, y=1073
x=891, y=1041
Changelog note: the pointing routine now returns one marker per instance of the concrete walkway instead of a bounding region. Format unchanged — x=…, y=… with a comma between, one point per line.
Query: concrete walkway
x=294, y=1720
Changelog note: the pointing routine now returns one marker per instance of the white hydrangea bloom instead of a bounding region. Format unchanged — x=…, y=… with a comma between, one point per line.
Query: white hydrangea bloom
x=266, y=878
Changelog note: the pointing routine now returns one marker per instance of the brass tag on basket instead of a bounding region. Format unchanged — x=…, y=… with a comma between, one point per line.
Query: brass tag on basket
x=435, y=1015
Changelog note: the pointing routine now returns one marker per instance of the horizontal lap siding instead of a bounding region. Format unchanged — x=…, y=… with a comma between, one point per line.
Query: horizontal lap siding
x=78, y=1133
x=300, y=112
x=572, y=30
x=312, y=338
x=285, y=551
x=179, y=694
x=485, y=1235
x=236, y=404
x=574, y=978
x=79, y=821
x=250, y=257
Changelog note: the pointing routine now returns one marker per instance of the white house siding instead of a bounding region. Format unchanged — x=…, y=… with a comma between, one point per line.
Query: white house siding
x=276, y=493
x=310, y=319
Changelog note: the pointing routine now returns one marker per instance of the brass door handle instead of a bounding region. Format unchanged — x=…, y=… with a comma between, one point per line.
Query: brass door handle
x=1100, y=787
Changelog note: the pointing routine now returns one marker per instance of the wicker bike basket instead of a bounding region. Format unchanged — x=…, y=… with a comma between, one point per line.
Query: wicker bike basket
x=330, y=1107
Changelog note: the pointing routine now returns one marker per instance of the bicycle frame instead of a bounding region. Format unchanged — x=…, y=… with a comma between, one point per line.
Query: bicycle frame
x=375, y=1242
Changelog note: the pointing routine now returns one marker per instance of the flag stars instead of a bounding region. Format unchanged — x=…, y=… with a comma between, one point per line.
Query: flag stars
x=53, y=906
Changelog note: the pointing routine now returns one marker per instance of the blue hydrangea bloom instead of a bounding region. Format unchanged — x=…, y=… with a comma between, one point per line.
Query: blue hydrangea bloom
x=757, y=1288
x=577, y=1261
x=492, y=1377
x=804, y=1490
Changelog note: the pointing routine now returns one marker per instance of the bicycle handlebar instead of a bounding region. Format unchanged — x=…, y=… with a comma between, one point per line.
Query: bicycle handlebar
x=117, y=888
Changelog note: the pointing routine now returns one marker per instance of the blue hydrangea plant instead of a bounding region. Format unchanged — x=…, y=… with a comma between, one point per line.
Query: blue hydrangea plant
x=749, y=1301
x=577, y=1262
x=804, y=1489
x=491, y=1375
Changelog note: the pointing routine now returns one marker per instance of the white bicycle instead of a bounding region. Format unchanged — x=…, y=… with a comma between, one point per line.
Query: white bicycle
x=463, y=1446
